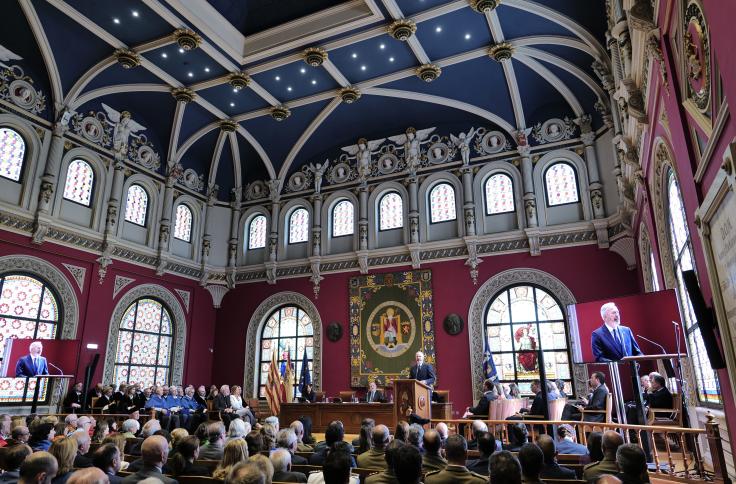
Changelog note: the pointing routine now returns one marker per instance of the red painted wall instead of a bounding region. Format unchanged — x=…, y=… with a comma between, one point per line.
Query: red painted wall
x=595, y=274
x=96, y=303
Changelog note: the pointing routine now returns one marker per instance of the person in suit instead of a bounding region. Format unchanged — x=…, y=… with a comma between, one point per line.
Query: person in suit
x=215, y=446
x=551, y=469
x=456, y=451
x=182, y=462
x=531, y=459
x=83, y=441
x=94, y=392
x=286, y=439
x=375, y=458
x=486, y=447
x=281, y=460
x=308, y=395
x=33, y=363
x=597, y=400
x=387, y=476
x=158, y=403
x=223, y=404
x=107, y=458
x=610, y=443
x=422, y=371
x=489, y=394
x=155, y=454
x=73, y=400
x=104, y=400
x=566, y=443
x=373, y=395
x=659, y=396
x=612, y=341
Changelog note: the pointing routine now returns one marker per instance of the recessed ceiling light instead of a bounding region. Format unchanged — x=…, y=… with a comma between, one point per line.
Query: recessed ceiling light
x=354, y=56
x=135, y=13
x=314, y=81
x=206, y=69
x=362, y=68
x=288, y=88
x=116, y=20
x=232, y=105
x=278, y=78
x=235, y=91
x=303, y=70
x=382, y=46
x=181, y=51
x=438, y=29
x=391, y=59
x=164, y=55
x=190, y=74
x=467, y=36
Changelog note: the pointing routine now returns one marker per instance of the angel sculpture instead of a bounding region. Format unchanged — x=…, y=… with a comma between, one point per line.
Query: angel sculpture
x=363, y=151
x=462, y=141
x=124, y=127
x=7, y=55
x=319, y=172
x=412, y=141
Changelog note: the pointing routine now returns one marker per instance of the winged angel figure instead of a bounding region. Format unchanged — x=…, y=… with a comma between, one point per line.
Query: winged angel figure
x=362, y=152
x=124, y=127
x=412, y=142
x=7, y=55
x=462, y=142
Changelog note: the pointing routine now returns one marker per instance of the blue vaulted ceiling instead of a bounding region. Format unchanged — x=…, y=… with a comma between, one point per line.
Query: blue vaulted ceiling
x=562, y=37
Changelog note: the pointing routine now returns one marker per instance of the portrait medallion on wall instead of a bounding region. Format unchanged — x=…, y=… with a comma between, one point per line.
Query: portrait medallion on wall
x=391, y=318
x=696, y=56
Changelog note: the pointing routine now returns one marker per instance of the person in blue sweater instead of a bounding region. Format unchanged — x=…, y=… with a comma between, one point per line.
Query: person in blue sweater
x=192, y=409
x=174, y=404
x=158, y=403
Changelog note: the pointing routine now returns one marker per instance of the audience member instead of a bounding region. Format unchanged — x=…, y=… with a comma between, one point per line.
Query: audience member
x=38, y=468
x=607, y=479
x=566, y=441
x=182, y=462
x=532, y=462
x=155, y=453
x=633, y=464
x=269, y=436
x=477, y=427
x=364, y=441
x=387, y=476
x=108, y=459
x=235, y=451
x=486, y=447
x=240, y=408
x=158, y=403
x=102, y=430
x=504, y=468
x=83, y=442
x=489, y=394
x=264, y=464
x=71, y=423
x=64, y=449
x=408, y=465
x=41, y=436
x=402, y=431
x=272, y=420
x=335, y=432
x=456, y=452
x=432, y=459
x=335, y=470
x=246, y=473
x=659, y=396
x=177, y=435
x=517, y=437
x=238, y=429
x=366, y=422
x=19, y=435
x=281, y=461
x=560, y=384
x=415, y=436
x=89, y=475
x=254, y=440
x=13, y=458
x=73, y=400
x=6, y=424
x=594, y=446
x=286, y=439
x=130, y=428
x=375, y=458
x=215, y=445
x=298, y=427
x=307, y=438
x=597, y=399
x=610, y=442
x=118, y=441
x=442, y=429
x=551, y=469
x=514, y=391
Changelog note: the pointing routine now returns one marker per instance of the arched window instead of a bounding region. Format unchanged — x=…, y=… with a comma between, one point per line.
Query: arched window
x=561, y=184
x=442, y=203
x=183, y=223
x=288, y=331
x=499, y=191
x=390, y=211
x=299, y=226
x=136, y=205
x=343, y=218
x=29, y=308
x=80, y=179
x=655, y=279
x=144, y=348
x=709, y=390
x=257, y=232
x=519, y=321
x=12, y=154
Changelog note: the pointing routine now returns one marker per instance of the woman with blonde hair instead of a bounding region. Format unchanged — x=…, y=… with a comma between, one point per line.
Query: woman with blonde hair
x=238, y=429
x=269, y=436
x=235, y=451
x=65, y=450
x=265, y=465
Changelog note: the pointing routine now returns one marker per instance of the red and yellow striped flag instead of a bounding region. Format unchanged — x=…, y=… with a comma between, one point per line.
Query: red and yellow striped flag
x=274, y=386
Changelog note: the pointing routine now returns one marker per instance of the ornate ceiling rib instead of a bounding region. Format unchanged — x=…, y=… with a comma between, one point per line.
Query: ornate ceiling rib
x=548, y=76
x=116, y=89
x=49, y=61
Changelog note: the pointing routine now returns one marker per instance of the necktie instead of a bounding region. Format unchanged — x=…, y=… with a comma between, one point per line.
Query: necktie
x=619, y=340
x=370, y=399
x=35, y=364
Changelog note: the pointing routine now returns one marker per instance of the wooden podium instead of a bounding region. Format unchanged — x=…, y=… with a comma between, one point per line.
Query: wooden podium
x=412, y=394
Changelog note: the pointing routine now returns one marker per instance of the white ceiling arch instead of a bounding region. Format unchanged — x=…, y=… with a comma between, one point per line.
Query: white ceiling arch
x=548, y=76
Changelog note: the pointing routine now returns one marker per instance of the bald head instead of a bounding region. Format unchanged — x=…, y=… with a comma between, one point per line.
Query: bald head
x=39, y=467
x=380, y=436
x=611, y=441
x=608, y=479
x=90, y=475
x=432, y=442
x=155, y=450
x=547, y=444
x=442, y=429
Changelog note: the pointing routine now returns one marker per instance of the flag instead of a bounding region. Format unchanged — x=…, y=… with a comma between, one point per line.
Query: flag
x=289, y=380
x=305, y=377
x=274, y=386
x=489, y=366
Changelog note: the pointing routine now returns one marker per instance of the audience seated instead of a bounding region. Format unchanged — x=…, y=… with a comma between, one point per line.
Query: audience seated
x=286, y=439
x=595, y=450
x=408, y=465
x=566, y=441
x=6, y=424
x=476, y=428
x=155, y=453
x=215, y=445
x=281, y=461
x=238, y=429
x=241, y=409
x=73, y=399
x=182, y=462
x=387, y=476
x=108, y=459
x=364, y=442
x=486, y=447
x=456, y=452
x=64, y=449
x=335, y=432
x=517, y=437
x=39, y=468
x=336, y=467
x=246, y=473
x=632, y=463
x=83, y=442
x=89, y=475
x=130, y=428
x=264, y=464
x=659, y=396
x=415, y=436
x=13, y=458
x=298, y=428
x=531, y=459
x=504, y=468
x=269, y=436
x=375, y=458
x=597, y=399
x=235, y=451
x=551, y=469
x=254, y=440
x=19, y=435
x=442, y=429
x=402, y=431
x=610, y=443
x=489, y=394
x=432, y=459
x=273, y=421
x=41, y=435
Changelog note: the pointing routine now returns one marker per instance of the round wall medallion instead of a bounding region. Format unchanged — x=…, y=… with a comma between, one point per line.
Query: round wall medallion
x=334, y=331
x=453, y=324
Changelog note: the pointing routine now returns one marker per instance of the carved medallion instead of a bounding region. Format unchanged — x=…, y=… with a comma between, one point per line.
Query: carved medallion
x=334, y=331
x=453, y=324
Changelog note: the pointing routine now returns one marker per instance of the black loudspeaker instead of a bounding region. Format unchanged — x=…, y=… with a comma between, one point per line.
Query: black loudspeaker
x=89, y=371
x=706, y=320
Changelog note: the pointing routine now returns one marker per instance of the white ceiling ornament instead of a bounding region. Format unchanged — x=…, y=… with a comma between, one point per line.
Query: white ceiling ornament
x=217, y=292
x=554, y=130
x=191, y=180
x=491, y=142
x=120, y=283
x=16, y=87
x=184, y=295
x=78, y=273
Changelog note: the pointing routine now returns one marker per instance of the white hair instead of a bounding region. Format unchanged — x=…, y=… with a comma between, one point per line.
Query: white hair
x=131, y=425
x=280, y=458
x=237, y=429
x=606, y=307
x=273, y=420
x=72, y=417
x=150, y=428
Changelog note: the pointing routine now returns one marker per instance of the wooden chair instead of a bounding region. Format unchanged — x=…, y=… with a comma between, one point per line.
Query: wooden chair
x=556, y=407
x=443, y=395
x=208, y=463
x=667, y=417
x=319, y=396
x=347, y=396
x=606, y=412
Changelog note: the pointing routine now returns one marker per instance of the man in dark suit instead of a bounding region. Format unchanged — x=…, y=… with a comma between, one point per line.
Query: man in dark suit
x=597, y=400
x=223, y=405
x=373, y=395
x=484, y=403
x=73, y=400
x=422, y=371
x=551, y=469
x=611, y=342
x=154, y=453
x=486, y=447
x=659, y=396
x=281, y=460
x=107, y=457
x=33, y=363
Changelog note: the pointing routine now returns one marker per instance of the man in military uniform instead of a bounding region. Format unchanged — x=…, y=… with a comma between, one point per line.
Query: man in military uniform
x=375, y=458
x=387, y=476
x=456, y=451
x=432, y=460
x=610, y=444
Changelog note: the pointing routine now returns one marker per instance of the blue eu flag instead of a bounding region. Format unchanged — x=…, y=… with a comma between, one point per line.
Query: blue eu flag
x=305, y=377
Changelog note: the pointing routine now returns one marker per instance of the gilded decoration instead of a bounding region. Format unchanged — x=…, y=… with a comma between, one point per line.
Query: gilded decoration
x=391, y=318
x=696, y=56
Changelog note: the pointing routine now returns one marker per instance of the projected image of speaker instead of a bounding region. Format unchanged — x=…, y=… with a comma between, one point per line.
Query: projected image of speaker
x=706, y=320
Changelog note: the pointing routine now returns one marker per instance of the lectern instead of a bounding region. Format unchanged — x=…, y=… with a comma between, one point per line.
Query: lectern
x=412, y=394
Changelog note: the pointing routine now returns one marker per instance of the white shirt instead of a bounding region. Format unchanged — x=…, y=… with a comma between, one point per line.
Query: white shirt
x=236, y=402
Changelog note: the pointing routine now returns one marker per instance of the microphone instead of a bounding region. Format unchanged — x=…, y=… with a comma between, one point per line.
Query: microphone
x=668, y=368
x=652, y=342
x=61, y=372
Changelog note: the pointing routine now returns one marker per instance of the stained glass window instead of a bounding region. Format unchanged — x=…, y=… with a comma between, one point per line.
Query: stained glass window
x=343, y=218
x=299, y=226
x=391, y=211
x=136, y=205
x=12, y=153
x=709, y=390
x=145, y=344
x=183, y=224
x=288, y=331
x=80, y=179
x=257, y=232
x=499, y=190
x=655, y=279
x=28, y=309
x=519, y=321
x=561, y=184
x=442, y=203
